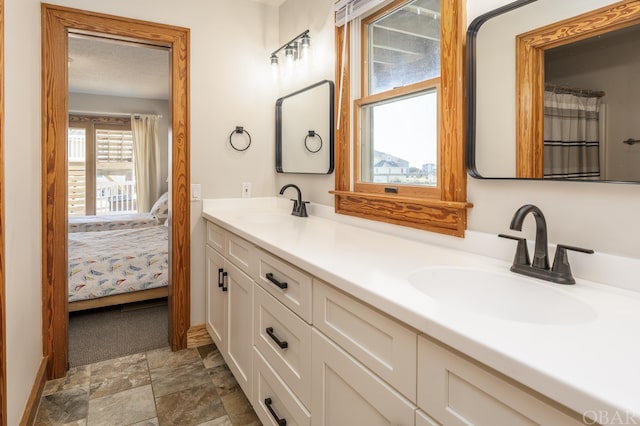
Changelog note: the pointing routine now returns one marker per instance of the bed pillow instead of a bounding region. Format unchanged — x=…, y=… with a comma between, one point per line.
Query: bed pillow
x=160, y=209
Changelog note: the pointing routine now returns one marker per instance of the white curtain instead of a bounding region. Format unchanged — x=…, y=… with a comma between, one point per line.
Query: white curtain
x=147, y=160
x=571, y=136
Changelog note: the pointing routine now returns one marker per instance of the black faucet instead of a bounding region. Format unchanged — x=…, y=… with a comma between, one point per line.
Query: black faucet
x=561, y=271
x=299, y=206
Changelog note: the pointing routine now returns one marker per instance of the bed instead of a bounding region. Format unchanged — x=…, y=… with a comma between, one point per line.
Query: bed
x=157, y=215
x=111, y=222
x=117, y=266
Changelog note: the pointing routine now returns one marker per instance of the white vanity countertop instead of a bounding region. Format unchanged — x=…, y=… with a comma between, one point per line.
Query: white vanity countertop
x=588, y=366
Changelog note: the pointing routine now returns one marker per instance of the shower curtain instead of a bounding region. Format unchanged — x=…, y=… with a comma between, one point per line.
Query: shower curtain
x=571, y=145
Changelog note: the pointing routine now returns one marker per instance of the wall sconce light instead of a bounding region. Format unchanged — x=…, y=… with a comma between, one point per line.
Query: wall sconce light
x=295, y=49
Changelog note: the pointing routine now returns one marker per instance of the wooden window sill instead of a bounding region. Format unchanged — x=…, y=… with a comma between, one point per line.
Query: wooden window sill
x=444, y=217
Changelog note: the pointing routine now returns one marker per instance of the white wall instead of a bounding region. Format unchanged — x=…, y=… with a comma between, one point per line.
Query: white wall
x=594, y=215
x=100, y=104
x=295, y=17
x=230, y=85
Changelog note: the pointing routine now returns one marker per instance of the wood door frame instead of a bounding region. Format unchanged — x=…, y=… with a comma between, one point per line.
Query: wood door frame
x=3, y=335
x=57, y=21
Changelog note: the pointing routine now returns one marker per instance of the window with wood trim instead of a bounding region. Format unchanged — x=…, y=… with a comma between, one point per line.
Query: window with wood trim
x=400, y=147
x=101, y=168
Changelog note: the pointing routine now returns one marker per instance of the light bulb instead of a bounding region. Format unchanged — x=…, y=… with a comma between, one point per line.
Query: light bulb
x=290, y=52
x=305, y=45
x=274, y=65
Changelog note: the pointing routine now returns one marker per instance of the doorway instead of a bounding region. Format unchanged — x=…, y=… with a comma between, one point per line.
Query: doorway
x=58, y=22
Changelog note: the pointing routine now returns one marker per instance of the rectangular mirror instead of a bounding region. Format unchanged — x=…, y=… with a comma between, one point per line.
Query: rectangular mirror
x=551, y=93
x=304, y=130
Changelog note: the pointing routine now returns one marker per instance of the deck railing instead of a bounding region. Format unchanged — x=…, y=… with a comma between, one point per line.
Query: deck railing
x=116, y=197
x=111, y=197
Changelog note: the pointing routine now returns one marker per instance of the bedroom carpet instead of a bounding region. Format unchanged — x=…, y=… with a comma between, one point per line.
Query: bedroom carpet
x=113, y=332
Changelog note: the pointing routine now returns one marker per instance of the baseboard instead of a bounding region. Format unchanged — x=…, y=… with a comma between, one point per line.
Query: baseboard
x=31, y=410
x=198, y=335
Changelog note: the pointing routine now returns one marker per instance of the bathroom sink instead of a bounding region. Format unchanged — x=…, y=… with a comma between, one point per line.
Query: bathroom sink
x=501, y=295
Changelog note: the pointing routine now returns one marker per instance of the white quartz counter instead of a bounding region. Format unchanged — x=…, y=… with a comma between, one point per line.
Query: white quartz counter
x=588, y=366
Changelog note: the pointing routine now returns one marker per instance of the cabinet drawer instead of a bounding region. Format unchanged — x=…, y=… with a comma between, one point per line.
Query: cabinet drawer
x=456, y=391
x=384, y=345
x=347, y=393
x=276, y=326
x=273, y=273
x=272, y=399
x=215, y=237
x=240, y=252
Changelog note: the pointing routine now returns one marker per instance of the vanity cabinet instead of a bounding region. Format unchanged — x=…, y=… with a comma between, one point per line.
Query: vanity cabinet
x=216, y=312
x=348, y=393
x=457, y=391
x=307, y=353
x=229, y=293
x=382, y=344
x=282, y=341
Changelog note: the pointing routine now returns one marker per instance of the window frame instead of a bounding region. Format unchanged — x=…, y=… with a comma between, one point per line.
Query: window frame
x=443, y=210
x=382, y=188
x=90, y=124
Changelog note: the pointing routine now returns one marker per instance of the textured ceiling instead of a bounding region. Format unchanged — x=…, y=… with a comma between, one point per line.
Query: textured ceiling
x=106, y=67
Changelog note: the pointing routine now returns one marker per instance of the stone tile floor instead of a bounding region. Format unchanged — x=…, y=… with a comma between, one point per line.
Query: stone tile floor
x=160, y=387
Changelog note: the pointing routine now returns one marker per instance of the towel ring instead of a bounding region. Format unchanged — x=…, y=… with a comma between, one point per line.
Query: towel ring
x=239, y=130
x=312, y=134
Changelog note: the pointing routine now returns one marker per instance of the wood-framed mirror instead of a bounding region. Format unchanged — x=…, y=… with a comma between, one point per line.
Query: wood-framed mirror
x=57, y=23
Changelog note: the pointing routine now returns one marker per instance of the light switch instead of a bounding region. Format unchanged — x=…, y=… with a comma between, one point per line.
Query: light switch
x=196, y=192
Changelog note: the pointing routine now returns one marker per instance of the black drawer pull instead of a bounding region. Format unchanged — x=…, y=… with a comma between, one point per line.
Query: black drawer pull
x=269, y=276
x=281, y=422
x=224, y=276
x=282, y=344
x=220, y=271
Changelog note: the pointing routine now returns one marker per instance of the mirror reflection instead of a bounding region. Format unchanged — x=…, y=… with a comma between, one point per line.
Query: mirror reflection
x=304, y=130
x=572, y=116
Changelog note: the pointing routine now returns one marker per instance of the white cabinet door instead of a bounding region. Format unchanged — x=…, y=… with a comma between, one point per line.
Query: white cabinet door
x=216, y=299
x=423, y=419
x=239, y=326
x=346, y=393
x=385, y=346
x=457, y=391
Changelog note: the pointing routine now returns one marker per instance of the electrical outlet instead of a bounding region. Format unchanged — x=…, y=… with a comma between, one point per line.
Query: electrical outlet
x=246, y=189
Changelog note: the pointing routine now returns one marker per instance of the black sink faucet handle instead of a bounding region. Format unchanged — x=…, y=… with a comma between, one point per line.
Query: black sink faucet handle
x=561, y=259
x=522, y=252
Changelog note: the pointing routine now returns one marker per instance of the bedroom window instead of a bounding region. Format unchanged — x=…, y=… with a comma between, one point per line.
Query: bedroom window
x=101, y=173
x=399, y=144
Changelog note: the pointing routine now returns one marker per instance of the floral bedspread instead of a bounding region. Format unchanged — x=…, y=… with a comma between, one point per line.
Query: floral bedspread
x=120, y=261
x=111, y=222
